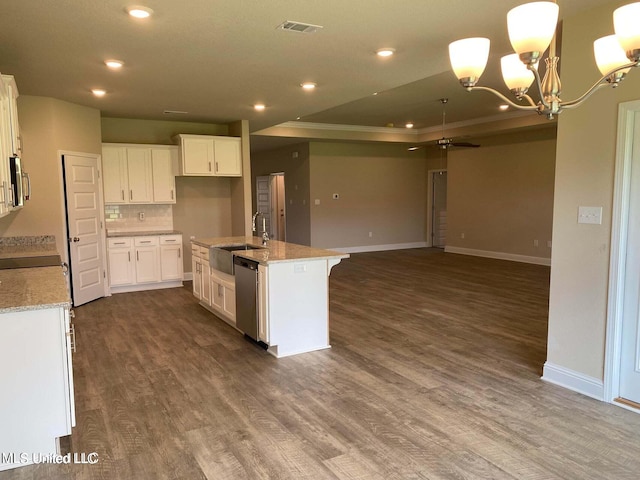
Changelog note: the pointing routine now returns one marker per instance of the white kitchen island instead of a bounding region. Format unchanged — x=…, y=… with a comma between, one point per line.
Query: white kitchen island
x=293, y=292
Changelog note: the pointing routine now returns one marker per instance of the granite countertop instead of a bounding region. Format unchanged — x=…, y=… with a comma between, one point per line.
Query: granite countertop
x=274, y=252
x=32, y=289
x=142, y=233
x=28, y=250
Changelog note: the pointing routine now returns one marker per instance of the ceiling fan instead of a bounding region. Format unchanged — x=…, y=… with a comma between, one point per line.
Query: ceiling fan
x=444, y=142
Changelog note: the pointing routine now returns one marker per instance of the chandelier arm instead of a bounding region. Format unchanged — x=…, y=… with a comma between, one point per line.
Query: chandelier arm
x=529, y=99
x=498, y=94
x=600, y=83
x=539, y=85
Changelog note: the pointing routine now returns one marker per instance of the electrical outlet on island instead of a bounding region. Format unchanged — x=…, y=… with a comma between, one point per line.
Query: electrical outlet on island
x=141, y=216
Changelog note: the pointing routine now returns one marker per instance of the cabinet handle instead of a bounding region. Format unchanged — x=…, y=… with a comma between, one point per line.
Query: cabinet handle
x=145, y=241
x=209, y=166
x=179, y=253
x=217, y=167
x=122, y=194
x=119, y=243
x=129, y=256
x=137, y=256
x=171, y=194
x=130, y=194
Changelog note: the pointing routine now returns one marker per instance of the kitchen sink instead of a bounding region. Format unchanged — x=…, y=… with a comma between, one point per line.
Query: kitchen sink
x=221, y=258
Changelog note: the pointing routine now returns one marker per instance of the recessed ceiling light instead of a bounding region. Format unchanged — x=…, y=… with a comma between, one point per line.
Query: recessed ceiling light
x=413, y=149
x=139, y=12
x=259, y=107
x=308, y=85
x=98, y=92
x=504, y=107
x=375, y=93
x=114, y=64
x=385, y=52
x=409, y=125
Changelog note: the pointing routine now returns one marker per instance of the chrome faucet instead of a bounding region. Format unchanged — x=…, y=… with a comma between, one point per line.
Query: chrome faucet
x=265, y=235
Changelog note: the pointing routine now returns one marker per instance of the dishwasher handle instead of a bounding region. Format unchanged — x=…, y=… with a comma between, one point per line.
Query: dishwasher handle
x=243, y=262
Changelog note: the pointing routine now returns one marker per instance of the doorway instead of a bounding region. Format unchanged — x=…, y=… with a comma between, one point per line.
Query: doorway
x=270, y=201
x=622, y=363
x=437, y=209
x=85, y=226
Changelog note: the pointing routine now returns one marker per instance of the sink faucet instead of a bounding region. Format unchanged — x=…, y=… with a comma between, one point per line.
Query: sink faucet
x=265, y=235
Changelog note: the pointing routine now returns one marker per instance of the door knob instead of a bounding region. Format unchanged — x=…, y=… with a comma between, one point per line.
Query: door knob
x=75, y=239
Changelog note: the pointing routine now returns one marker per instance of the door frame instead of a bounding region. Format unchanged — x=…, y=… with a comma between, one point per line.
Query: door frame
x=430, y=174
x=619, y=229
x=65, y=234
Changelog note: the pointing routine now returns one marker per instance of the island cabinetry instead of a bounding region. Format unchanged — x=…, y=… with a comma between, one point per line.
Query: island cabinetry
x=223, y=295
x=144, y=262
x=210, y=156
x=201, y=274
x=139, y=173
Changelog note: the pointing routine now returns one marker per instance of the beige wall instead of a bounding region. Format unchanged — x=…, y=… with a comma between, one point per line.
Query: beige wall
x=500, y=196
x=382, y=190
x=296, y=183
x=161, y=132
x=49, y=126
x=241, y=187
x=584, y=176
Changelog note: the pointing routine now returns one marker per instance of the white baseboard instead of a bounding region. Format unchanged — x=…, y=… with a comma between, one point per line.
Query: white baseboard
x=379, y=248
x=576, y=381
x=499, y=255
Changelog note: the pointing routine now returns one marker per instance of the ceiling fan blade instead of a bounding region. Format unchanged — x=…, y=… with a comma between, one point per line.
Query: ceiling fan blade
x=465, y=144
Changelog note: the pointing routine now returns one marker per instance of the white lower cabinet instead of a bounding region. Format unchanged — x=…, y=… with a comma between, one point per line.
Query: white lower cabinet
x=201, y=274
x=37, y=392
x=216, y=290
x=144, y=262
x=263, y=304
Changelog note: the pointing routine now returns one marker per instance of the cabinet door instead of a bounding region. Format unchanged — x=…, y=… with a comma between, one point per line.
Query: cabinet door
x=227, y=156
x=139, y=174
x=120, y=267
x=147, y=264
x=263, y=304
x=164, y=165
x=206, y=282
x=197, y=155
x=217, y=294
x=197, y=277
x=114, y=175
x=171, y=262
x=14, y=126
x=229, y=306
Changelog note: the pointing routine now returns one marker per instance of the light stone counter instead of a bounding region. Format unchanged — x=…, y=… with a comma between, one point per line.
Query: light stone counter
x=141, y=233
x=32, y=289
x=274, y=252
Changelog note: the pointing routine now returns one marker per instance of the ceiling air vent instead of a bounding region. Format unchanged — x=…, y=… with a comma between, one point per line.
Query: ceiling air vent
x=300, y=27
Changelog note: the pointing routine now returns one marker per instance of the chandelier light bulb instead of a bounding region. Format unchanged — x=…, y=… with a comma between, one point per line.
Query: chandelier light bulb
x=609, y=54
x=531, y=27
x=626, y=23
x=516, y=75
x=469, y=58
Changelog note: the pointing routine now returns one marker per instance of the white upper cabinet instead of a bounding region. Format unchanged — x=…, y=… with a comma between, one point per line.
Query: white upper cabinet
x=135, y=174
x=210, y=156
x=12, y=94
x=164, y=163
x=5, y=151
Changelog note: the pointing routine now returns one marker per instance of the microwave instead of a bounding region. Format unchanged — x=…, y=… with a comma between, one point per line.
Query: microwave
x=18, y=191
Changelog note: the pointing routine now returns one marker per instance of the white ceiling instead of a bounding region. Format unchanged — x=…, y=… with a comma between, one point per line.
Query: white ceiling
x=215, y=59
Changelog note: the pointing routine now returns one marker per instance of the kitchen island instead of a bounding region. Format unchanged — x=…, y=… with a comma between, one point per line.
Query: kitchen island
x=292, y=302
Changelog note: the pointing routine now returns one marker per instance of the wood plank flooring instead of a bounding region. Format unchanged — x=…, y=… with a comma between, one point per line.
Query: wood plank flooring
x=434, y=374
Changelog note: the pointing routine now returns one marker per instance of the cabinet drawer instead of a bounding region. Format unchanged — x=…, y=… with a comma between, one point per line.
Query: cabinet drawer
x=119, y=242
x=204, y=253
x=195, y=250
x=171, y=240
x=146, y=241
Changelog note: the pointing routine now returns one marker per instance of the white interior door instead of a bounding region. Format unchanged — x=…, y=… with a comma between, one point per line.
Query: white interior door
x=439, y=209
x=630, y=347
x=263, y=202
x=86, y=249
x=278, y=207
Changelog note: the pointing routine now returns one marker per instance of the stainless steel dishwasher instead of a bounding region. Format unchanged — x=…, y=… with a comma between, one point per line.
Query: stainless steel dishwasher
x=246, y=273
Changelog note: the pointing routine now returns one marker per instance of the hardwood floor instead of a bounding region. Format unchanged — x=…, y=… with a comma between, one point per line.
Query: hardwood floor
x=434, y=374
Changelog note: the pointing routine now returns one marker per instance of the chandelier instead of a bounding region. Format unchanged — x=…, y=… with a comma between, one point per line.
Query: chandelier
x=532, y=28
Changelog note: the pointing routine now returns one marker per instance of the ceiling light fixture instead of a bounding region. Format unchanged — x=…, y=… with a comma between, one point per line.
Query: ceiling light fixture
x=531, y=30
x=98, y=92
x=308, y=85
x=385, y=52
x=504, y=107
x=114, y=64
x=413, y=149
x=259, y=107
x=139, y=12
x=409, y=125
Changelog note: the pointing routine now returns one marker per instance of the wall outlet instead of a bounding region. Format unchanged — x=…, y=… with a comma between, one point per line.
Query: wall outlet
x=535, y=243
x=317, y=201
x=591, y=215
x=141, y=216
x=370, y=234
x=336, y=196
x=462, y=235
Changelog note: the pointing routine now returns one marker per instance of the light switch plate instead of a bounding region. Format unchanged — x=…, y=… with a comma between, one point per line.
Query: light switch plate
x=317, y=202
x=591, y=215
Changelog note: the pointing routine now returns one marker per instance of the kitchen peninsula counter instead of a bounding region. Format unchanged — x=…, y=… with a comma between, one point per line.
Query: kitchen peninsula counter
x=292, y=297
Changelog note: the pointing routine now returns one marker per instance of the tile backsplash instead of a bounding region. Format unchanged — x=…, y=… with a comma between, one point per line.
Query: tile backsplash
x=127, y=217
